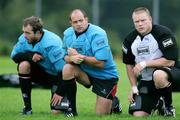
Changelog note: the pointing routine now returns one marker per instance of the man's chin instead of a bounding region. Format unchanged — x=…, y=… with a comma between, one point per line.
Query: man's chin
x=80, y=30
x=29, y=42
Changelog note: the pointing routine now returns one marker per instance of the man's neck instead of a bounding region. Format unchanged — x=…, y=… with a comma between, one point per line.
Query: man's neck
x=78, y=34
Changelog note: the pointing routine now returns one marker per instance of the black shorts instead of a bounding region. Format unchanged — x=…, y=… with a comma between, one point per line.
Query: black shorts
x=41, y=77
x=147, y=99
x=104, y=88
x=173, y=76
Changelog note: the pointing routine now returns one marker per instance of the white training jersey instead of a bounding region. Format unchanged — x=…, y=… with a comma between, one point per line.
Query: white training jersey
x=160, y=42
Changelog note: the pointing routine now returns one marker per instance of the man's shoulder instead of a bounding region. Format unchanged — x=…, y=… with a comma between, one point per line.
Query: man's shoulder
x=95, y=29
x=50, y=39
x=160, y=30
x=50, y=34
x=132, y=35
x=69, y=31
x=22, y=39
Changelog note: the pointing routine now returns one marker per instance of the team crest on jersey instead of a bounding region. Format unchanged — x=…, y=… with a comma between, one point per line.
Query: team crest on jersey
x=124, y=49
x=100, y=43
x=168, y=42
x=143, y=50
x=57, y=54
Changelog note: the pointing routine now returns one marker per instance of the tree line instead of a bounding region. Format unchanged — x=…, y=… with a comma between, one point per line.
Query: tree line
x=114, y=17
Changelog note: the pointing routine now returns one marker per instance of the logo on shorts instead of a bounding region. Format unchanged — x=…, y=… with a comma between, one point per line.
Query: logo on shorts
x=133, y=104
x=104, y=91
x=24, y=95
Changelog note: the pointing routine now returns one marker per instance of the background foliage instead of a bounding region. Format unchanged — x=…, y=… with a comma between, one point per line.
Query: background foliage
x=115, y=17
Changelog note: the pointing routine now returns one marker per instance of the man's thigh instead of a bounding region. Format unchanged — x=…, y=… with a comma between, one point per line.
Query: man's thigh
x=175, y=73
x=104, y=88
x=173, y=76
x=143, y=102
x=41, y=77
x=146, y=100
x=74, y=71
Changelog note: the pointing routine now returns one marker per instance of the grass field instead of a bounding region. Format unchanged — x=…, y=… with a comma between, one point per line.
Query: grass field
x=11, y=101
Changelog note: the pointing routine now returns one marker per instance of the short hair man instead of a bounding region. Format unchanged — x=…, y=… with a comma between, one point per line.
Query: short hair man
x=151, y=57
x=39, y=56
x=89, y=61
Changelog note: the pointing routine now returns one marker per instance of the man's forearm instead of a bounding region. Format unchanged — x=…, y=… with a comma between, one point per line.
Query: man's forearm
x=93, y=62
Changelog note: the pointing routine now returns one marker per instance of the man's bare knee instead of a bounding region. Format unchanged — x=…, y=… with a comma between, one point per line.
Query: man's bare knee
x=55, y=112
x=69, y=71
x=140, y=114
x=24, y=67
x=160, y=78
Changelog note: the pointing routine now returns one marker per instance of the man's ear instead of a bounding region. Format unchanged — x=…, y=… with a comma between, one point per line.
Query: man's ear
x=86, y=19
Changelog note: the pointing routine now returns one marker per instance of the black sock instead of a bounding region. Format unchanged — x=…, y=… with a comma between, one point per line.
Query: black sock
x=25, y=84
x=70, y=90
x=167, y=94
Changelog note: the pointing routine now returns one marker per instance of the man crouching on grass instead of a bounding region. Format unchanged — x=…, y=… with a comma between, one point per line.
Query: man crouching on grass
x=90, y=62
x=40, y=59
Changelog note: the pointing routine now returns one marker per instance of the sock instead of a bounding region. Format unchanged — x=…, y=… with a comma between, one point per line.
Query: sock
x=167, y=94
x=70, y=90
x=25, y=84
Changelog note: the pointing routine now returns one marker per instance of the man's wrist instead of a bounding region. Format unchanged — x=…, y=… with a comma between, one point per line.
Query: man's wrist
x=143, y=64
x=135, y=89
x=84, y=58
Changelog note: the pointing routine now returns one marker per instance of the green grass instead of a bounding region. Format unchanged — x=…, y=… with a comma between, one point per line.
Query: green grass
x=7, y=65
x=11, y=101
